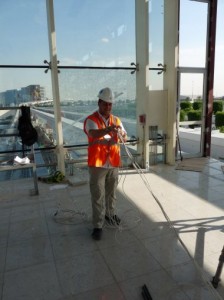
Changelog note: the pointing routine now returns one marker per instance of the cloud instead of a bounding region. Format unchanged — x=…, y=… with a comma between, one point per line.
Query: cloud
x=105, y=40
x=67, y=61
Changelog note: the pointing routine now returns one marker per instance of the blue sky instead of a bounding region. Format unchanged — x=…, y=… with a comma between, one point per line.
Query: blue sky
x=92, y=33
x=193, y=40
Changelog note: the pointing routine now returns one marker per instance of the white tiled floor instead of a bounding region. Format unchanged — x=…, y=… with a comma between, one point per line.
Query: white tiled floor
x=43, y=257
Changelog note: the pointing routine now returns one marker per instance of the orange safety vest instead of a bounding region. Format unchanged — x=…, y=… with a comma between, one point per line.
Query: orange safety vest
x=100, y=149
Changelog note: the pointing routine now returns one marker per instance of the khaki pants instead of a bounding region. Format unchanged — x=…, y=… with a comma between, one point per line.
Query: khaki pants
x=103, y=184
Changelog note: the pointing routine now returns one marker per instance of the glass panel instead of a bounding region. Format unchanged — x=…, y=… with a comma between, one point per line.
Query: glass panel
x=23, y=86
x=79, y=89
x=23, y=32
x=8, y=125
x=11, y=145
x=193, y=33
x=156, y=42
x=219, y=56
x=19, y=86
x=95, y=33
x=191, y=113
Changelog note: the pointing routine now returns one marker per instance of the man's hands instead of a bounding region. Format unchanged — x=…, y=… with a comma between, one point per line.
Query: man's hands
x=121, y=134
x=114, y=129
x=117, y=130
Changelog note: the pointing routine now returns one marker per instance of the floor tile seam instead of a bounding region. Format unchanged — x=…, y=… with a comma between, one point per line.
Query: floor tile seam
x=218, y=204
x=53, y=255
x=69, y=234
x=112, y=274
x=211, y=185
x=5, y=223
x=186, y=188
x=61, y=260
x=72, y=256
x=185, y=260
x=205, y=191
x=168, y=219
x=117, y=245
x=202, y=259
x=146, y=274
x=182, y=244
x=175, y=283
x=215, y=206
x=172, y=233
x=185, y=264
x=25, y=204
x=23, y=219
x=6, y=246
x=104, y=286
x=27, y=216
x=33, y=219
x=30, y=239
x=3, y=272
x=187, y=174
x=152, y=236
x=201, y=216
x=15, y=241
x=124, y=214
x=210, y=172
x=168, y=210
x=216, y=177
x=191, y=217
x=201, y=270
x=11, y=206
x=58, y=261
x=153, y=256
x=218, y=186
x=8, y=206
x=201, y=278
x=15, y=269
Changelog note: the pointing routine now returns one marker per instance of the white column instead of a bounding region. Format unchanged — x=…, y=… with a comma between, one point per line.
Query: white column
x=55, y=85
x=171, y=12
x=142, y=61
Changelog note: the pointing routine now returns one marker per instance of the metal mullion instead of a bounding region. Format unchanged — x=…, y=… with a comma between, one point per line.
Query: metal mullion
x=55, y=84
x=23, y=66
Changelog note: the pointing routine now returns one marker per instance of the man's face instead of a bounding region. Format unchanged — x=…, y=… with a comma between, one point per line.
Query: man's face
x=104, y=108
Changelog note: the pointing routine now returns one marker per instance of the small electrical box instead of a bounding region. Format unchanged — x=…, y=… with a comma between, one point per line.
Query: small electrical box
x=142, y=119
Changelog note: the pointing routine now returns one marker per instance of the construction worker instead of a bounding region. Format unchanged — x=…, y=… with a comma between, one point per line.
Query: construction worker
x=104, y=132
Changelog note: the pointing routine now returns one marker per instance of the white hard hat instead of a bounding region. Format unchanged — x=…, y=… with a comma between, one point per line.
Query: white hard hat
x=106, y=95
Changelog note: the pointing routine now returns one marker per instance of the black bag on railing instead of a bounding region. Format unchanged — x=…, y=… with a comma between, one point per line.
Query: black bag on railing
x=27, y=132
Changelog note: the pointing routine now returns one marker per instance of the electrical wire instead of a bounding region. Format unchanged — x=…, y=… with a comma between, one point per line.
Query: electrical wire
x=145, y=181
x=63, y=219
x=65, y=214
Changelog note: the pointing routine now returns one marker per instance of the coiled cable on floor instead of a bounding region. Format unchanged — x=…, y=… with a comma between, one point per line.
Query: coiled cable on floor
x=67, y=213
x=145, y=181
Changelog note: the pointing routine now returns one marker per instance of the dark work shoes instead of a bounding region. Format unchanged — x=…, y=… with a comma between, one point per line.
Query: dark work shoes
x=113, y=220
x=97, y=234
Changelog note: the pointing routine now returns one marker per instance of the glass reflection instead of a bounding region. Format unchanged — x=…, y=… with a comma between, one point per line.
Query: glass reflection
x=106, y=39
x=78, y=93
